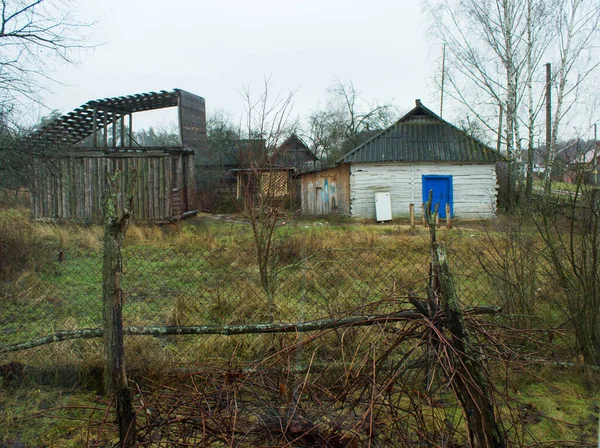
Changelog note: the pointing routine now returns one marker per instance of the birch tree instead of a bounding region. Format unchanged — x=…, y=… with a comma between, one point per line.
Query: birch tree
x=495, y=53
x=484, y=42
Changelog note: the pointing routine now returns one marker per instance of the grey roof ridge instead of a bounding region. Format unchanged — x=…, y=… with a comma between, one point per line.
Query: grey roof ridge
x=408, y=115
x=434, y=115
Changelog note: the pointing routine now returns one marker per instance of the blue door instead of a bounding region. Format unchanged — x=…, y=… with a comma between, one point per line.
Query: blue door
x=442, y=192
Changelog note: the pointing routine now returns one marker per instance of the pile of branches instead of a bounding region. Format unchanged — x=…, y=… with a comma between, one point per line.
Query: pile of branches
x=392, y=384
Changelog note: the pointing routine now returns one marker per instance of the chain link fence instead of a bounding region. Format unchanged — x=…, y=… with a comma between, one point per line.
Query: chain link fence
x=182, y=285
x=341, y=383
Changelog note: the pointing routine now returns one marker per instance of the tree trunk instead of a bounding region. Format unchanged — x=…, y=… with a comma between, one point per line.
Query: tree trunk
x=531, y=112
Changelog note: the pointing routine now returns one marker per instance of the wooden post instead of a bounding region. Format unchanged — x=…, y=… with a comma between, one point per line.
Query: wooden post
x=469, y=381
x=122, y=131
x=411, y=208
x=115, y=374
x=130, y=130
x=448, y=217
x=423, y=215
x=105, y=129
x=95, y=127
x=114, y=130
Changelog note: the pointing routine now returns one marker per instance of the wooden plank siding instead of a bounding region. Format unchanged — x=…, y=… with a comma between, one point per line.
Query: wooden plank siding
x=314, y=199
x=70, y=188
x=474, y=187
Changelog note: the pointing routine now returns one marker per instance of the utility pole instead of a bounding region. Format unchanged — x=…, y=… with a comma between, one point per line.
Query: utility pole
x=548, y=122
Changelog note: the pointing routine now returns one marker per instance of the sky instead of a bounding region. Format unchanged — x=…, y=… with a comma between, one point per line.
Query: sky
x=218, y=48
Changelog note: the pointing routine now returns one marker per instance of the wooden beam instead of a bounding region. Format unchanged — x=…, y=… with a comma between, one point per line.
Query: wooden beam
x=114, y=131
x=95, y=128
x=230, y=330
x=122, y=131
x=130, y=130
x=105, y=130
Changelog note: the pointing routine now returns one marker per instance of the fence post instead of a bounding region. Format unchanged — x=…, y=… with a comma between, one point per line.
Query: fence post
x=423, y=221
x=448, y=217
x=411, y=209
x=470, y=382
x=115, y=374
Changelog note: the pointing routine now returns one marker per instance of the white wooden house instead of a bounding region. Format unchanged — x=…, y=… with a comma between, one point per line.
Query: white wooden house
x=419, y=153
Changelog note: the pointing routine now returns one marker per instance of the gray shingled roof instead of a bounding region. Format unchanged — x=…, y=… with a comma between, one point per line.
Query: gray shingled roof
x=422, y=136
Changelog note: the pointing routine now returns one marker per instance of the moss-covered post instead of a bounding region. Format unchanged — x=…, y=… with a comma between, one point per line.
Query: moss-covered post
x=115, y=374
x=469, y=382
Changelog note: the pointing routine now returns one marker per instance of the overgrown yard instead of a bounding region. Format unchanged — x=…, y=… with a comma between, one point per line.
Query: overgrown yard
x=204, y=271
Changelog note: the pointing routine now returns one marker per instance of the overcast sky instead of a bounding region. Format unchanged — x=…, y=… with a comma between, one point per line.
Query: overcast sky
x=214, y=48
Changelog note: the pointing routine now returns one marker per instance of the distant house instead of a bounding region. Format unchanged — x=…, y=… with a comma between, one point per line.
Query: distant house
x=586, y=165
x=272, y=176
x=292, y=153
x=419, y=153
x=245, y=168
x=94, y=141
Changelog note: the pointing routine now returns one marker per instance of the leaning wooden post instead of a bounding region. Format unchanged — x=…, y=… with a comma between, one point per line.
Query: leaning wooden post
x=115, y=374
x=448, y=217
x=411, y=209
x=469, y=380
x=432, y=295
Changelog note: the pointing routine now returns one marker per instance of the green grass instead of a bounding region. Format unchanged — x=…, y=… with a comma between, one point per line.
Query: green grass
x=564, y=186
x=562, y=410
x=47, y=416
x=205, y=271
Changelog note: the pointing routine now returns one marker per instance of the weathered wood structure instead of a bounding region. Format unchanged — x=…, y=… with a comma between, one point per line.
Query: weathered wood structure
x=326, y=192
x=249, y=169
x=94, y=141
x=269, y=183
x=292, y=153
x=419, y=153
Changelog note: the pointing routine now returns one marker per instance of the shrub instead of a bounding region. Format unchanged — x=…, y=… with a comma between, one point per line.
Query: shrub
x=19, y=248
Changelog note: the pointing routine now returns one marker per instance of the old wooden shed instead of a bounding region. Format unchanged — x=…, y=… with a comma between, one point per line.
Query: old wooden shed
x=419, y=153
x=95, y=140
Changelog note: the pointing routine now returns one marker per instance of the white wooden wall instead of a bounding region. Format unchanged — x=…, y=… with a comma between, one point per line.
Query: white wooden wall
x=474, y=187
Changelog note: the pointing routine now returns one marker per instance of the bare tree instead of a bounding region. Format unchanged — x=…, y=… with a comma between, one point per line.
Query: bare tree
x=495, y=50
x=484, y=59
x=265, y=188
x=346, y=121
x=33, y=34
